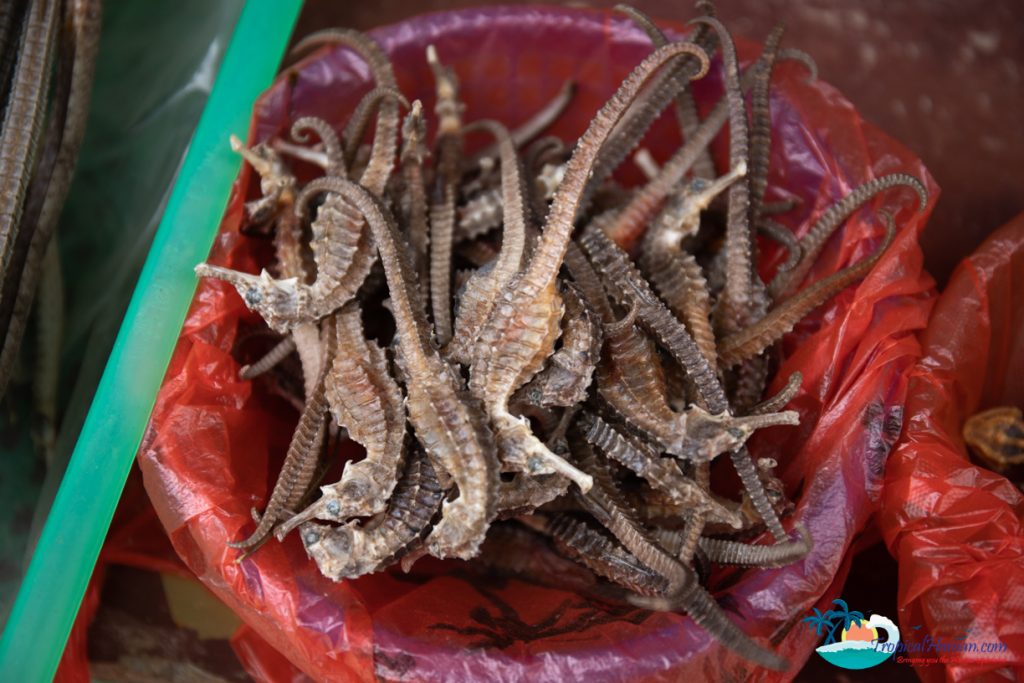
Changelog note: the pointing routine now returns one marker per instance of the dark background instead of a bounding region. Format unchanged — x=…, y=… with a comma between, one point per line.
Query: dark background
x=944, y=78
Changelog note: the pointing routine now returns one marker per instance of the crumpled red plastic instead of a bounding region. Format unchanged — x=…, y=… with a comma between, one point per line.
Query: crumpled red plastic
x=215, y=443
x=957, y=529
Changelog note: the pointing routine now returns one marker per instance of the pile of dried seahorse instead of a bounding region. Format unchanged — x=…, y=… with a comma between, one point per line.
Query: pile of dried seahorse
x=567, y=354
x=47, y=58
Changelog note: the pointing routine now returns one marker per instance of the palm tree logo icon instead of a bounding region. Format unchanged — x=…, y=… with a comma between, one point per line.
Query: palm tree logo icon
x=853, y=641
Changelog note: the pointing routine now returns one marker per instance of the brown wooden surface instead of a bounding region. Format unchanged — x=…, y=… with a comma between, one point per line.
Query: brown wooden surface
x=945, y=78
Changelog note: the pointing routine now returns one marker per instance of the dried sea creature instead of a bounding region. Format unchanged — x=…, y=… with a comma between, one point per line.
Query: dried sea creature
x=577, y=382
x=996, y=436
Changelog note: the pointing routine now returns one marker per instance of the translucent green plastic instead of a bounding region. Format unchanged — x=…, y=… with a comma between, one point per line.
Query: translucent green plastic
x=51, y=593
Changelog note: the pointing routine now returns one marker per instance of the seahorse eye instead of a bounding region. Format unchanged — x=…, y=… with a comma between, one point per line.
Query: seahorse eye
x=252, y=296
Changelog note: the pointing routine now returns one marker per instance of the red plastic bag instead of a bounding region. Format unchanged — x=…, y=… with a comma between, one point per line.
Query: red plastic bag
x=215, y=443
x=957, y=529
x=135, y=539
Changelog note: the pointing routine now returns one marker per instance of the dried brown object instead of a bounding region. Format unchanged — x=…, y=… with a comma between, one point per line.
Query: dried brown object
x=996, y=436
x=598, y=393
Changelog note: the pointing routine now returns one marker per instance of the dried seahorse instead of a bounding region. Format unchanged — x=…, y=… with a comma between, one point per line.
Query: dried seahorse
x=281, y=350
x=761, y=126
x=721, y=551
x=661, y=473
x=706, y=613
x=278, y=203
x=359, y=121
x=674, y=272
x=686, y=107
x=442, y=205
x=630, y=222
x=634, y=124
x=444, y=417
x=631, y=380
x=350, y=551
x=299, y=464
x=683, y=589
x=630, y=286
x=341, y=270
x=275, y=206
x=567, y=375
x=604, y=502
x=523, y=326
x=626, y=283
x=537, y=123
x=814, y=241
x=524, y=493
x=784, y=237
x=414, y=154
x=23, y=116
x=366, y=401
x=679, y=219
x=581, y=541
x=334, y=159
x=277, y=186
x=754, y=339
x=479, y=294
x=479, y=215
x=633, y=219
x=735, y=306
x=779, y=400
